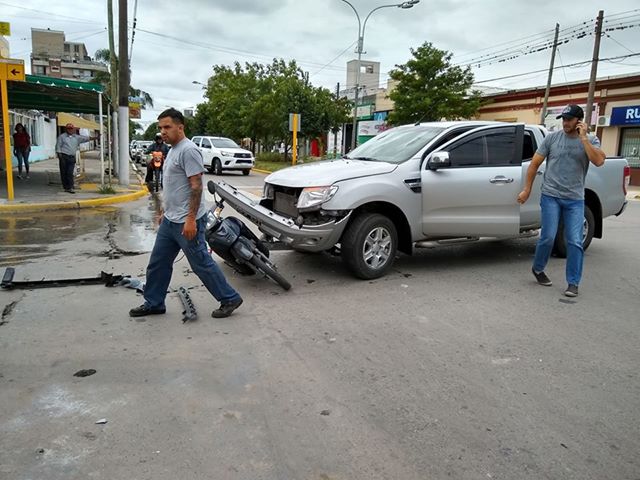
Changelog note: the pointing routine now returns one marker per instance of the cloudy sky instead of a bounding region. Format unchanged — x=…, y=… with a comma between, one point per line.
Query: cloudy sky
x=177, y=42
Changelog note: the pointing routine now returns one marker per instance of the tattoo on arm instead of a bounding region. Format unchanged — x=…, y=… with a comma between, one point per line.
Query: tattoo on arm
x=196, y=195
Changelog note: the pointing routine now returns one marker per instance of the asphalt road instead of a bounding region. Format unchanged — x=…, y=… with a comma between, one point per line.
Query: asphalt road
x=456, y=365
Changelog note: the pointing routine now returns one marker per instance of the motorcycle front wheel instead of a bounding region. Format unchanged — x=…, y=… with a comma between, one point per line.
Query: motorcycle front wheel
x=265, y=266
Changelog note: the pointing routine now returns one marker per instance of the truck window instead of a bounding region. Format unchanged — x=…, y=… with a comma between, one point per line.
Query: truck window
x=468, y=154
x=500, y=148
x=528, y=146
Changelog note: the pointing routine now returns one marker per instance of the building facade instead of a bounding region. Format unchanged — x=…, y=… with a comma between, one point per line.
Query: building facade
x=615, y=118
x=53, y=56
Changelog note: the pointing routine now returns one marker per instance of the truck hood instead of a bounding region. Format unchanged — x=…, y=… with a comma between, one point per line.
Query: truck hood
x=320, y=174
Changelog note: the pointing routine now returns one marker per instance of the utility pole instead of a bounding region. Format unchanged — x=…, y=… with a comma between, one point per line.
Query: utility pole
x=123, y=93
x=113, y=59
x=335, y=134
x=594, y=68
x=553, y=59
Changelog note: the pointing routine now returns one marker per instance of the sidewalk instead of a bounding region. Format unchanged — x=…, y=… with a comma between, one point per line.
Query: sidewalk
x=43, y=190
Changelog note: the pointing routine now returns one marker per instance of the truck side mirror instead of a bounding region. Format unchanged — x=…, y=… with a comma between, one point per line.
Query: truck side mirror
x=439, y=160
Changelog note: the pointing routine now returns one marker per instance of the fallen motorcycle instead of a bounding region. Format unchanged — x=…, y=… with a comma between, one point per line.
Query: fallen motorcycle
x=237, y=245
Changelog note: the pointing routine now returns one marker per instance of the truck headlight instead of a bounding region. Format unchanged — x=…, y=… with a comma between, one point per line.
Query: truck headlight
x=315, y=196
x=226, y=153
x=267, y=191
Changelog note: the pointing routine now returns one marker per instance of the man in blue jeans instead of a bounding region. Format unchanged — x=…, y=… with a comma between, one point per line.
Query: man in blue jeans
x=568, y=153
x=182, y=225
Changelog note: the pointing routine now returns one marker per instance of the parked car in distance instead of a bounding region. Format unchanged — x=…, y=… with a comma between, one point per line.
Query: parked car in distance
x=220, y=153
x=138, y=152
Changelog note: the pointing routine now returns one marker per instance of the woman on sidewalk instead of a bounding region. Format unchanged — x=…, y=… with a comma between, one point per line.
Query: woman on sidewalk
x=22, y=148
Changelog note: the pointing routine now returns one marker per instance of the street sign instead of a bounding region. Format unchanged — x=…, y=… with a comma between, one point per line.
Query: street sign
x=298, y=121
x=134, y=110
x=5, y=29
x=12, y=69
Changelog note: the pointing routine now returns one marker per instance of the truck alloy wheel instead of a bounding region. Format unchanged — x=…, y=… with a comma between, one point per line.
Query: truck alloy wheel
x=369, y=245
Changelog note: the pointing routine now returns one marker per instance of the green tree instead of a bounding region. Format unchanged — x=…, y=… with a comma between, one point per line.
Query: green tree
x=430, y=88
x=150, y=132
x=255, y=100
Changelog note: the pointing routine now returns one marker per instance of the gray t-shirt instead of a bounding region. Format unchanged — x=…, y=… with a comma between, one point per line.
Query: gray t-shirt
x=567, y=165
x=183, y=161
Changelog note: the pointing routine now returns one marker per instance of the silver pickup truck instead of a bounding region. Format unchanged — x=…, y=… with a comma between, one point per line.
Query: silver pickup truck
x=419, y=186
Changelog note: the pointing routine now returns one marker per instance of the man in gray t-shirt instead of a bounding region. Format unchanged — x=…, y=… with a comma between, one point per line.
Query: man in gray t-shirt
x=568, y=153
x=182, y=226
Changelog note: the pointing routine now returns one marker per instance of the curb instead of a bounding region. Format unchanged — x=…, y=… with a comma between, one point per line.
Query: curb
x=266, y=172
x=88, y=203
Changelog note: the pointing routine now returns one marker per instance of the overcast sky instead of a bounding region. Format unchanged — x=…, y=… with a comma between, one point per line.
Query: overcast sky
x=321, y=36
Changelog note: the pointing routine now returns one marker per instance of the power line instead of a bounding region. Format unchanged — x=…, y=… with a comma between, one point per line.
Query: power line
x=48, y=13
x=610, y=59
x=623, y=46
x=337, y=57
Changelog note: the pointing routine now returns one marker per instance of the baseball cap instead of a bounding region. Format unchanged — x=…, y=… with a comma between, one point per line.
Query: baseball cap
x=572, y=111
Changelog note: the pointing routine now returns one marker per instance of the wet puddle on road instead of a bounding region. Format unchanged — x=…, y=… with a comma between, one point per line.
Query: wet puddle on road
x=28, y=236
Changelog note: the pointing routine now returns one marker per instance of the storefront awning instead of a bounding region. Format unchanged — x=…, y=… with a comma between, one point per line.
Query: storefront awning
x=55, y=95
x=78, y=122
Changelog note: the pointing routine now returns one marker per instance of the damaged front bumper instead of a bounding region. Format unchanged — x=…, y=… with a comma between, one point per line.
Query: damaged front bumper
x=311, y=238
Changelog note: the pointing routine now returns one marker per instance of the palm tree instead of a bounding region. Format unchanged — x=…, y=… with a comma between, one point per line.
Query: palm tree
x=104, y=78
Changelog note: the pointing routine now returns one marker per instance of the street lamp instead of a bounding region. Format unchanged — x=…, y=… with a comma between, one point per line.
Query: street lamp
x=361, y=27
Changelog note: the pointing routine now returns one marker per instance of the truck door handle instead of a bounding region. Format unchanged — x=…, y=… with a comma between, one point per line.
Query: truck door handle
x=501, y=179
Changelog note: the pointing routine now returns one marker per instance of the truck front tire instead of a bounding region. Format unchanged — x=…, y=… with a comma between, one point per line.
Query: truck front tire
x=369, y=246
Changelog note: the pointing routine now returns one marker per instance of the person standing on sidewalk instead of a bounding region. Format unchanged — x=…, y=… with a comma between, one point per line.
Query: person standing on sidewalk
x=182, y=226
x=66, y=148
x=21, y=149
x=568, y=153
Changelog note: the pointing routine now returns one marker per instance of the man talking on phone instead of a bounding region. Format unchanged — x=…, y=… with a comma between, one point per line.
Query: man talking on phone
x=568, y=153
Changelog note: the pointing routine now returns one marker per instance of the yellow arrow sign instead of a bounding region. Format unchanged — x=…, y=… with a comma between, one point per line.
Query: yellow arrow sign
x=12, y=69
x=5, y=29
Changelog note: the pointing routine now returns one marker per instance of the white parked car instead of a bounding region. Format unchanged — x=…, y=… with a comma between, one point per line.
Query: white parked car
x=220, y=153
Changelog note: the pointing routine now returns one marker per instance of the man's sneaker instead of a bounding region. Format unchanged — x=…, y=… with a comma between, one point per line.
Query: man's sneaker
x=542, y=278
x=226, y=309
x=571, y=291
x=143, y=311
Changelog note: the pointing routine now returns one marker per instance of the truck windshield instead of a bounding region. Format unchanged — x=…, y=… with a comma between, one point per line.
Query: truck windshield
x=396, y=145
x=224, y=143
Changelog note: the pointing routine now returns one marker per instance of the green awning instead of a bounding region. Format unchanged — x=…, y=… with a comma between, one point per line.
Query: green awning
x=55, y=95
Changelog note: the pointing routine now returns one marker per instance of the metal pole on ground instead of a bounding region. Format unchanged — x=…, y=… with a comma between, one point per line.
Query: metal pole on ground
x=7, y=136
x=101, y=139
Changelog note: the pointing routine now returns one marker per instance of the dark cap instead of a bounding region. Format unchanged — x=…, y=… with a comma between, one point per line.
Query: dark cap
x=572, y=111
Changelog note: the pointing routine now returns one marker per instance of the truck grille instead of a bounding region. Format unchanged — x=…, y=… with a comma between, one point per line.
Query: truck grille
x=285, y=201
x=242, y=155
